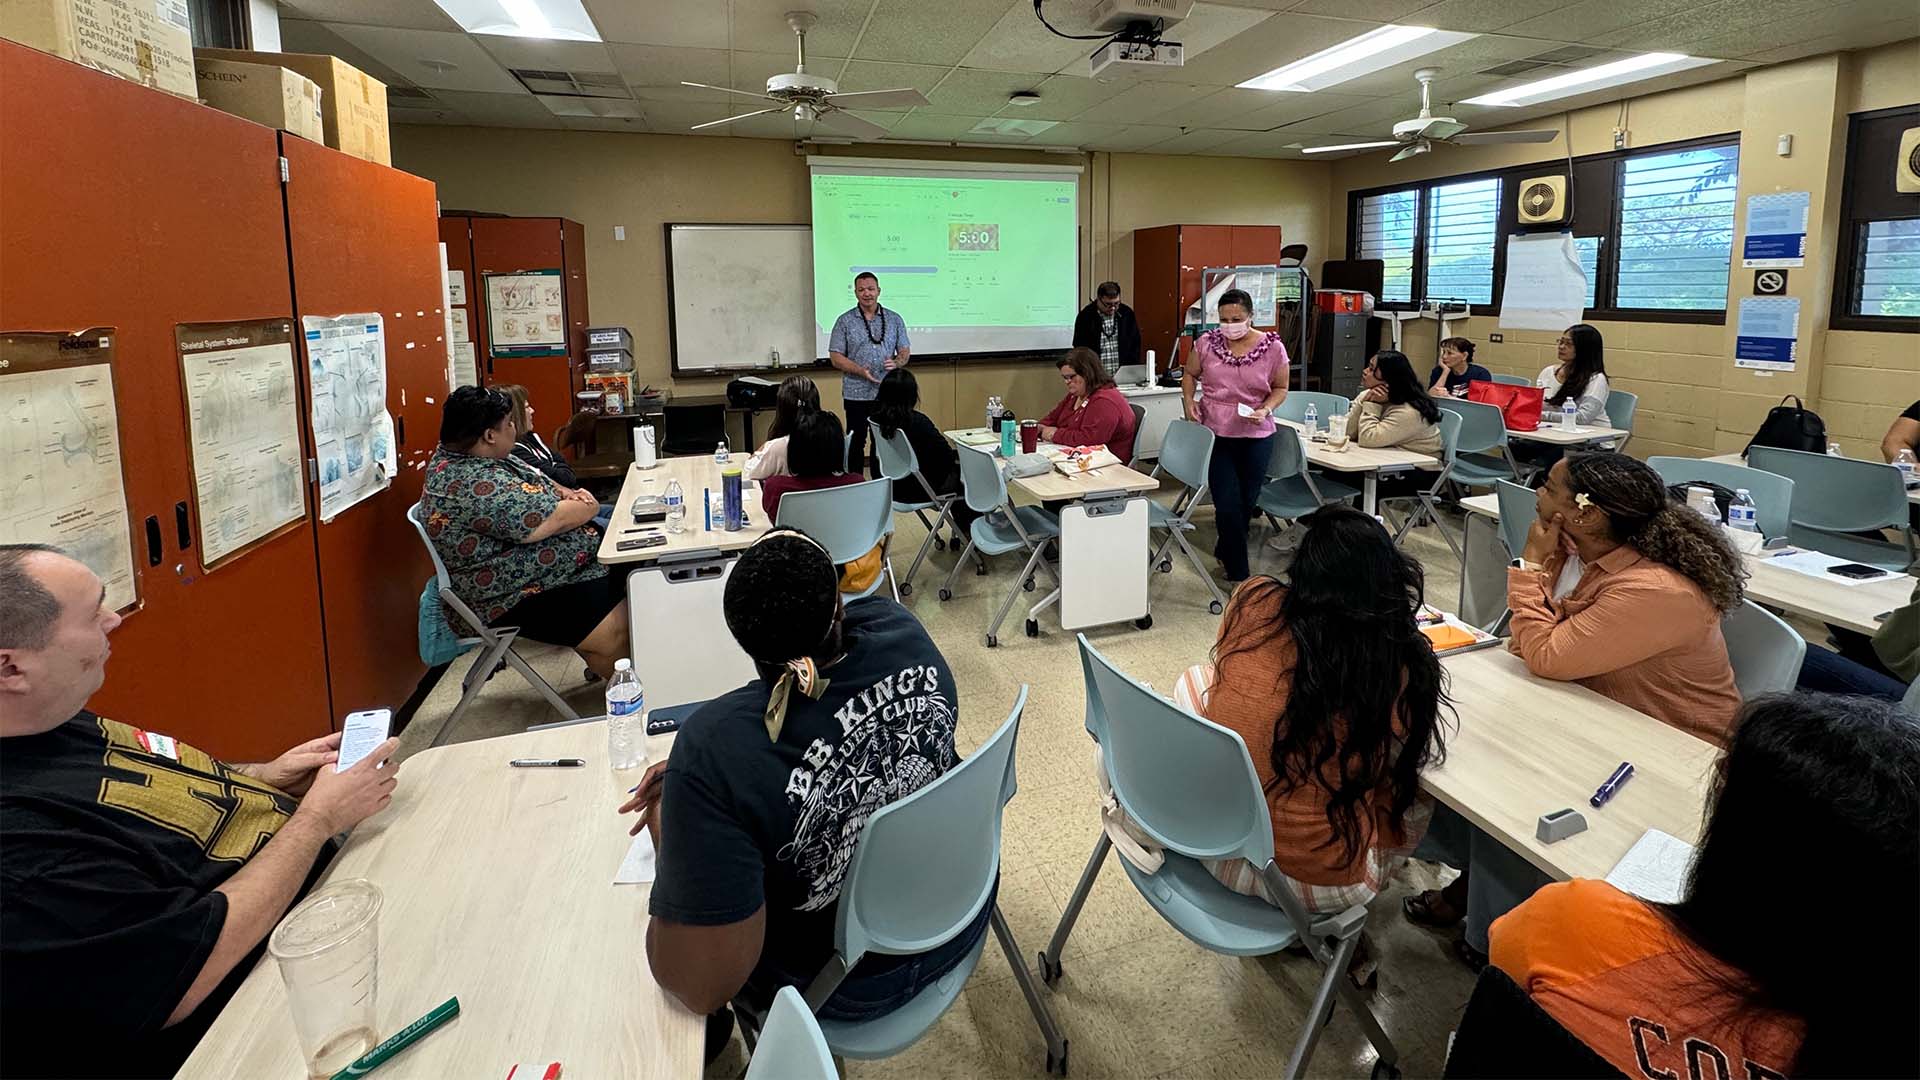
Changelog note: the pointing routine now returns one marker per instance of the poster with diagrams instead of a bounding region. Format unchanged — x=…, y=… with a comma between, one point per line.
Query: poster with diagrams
x=352, y=430
x=526, y=313
x=243, y=428
x=60, y=480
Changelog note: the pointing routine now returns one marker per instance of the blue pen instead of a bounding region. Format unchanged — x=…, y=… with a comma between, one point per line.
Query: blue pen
x=1607, y=790
x=706, y=503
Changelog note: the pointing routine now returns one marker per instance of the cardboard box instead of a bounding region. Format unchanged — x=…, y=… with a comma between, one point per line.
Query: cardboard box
x=609, y=360
x=264, y=93
x=353, y=104
x=616, y=388
x=147, y=41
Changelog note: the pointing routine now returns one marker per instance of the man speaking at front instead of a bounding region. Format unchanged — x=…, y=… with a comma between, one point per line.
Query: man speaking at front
x=868, y=341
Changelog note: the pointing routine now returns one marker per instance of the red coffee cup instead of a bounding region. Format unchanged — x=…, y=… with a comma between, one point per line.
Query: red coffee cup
x=1029, y=436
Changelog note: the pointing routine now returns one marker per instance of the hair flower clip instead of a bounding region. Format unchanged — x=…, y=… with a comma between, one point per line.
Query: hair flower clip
x=1582, y=500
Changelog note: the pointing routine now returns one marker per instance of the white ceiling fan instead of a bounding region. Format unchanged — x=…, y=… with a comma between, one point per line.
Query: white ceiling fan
x=1419, y=134
x=817, y=98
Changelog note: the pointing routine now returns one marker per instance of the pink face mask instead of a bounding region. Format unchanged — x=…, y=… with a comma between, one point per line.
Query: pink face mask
x=1235, y=330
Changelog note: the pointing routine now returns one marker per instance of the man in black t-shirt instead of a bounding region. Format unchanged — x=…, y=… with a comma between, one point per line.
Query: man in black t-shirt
x=756, y=814
x=138, y=876
x=1902, y=434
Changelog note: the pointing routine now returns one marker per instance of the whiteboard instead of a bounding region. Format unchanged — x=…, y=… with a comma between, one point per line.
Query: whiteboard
x=739, y=293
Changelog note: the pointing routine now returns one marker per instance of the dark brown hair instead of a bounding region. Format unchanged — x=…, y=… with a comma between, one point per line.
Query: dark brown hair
x=1086, y=364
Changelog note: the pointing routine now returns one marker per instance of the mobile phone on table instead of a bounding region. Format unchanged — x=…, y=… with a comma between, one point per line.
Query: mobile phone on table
x=362, y=732
x=658, y=724
x=1856, y=571
x=640, y=542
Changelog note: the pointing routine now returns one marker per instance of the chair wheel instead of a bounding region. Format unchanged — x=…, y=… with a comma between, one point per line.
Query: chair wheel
x=1057, y=1066
x=1384, y=1071
x=1166, y=566
x=946, y=594
x=1049, y=970
x=1033, y=627
x=939, y=544
x=992, y=641
x=1027, y=584
x=1144, y=622
x=907, y=589
x=1213, y=607
x=979, y=570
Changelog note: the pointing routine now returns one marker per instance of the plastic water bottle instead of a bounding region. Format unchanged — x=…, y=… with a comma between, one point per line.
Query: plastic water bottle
x=993, y=411
x=1313, y=417
x=1569, y=413
x=1833, y=449
x=626, y=718
x=1907, y=466
x=1742, y=515
x=721, y=453
x=676, y=500
x=1701, y=500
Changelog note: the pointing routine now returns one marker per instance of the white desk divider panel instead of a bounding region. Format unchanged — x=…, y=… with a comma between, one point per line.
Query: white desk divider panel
x=681, y=648
x=1103, y=562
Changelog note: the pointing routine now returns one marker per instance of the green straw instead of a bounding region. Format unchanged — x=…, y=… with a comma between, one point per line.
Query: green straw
x=400, y=1040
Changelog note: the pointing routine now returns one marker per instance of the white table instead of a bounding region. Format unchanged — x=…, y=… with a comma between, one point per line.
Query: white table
x=498, y=888
x=1554, y=434
x=1367, y=461
x=1162, y=407
x=696, y=475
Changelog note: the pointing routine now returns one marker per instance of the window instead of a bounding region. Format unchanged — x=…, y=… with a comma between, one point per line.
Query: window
x=1463, y=222
x=1588, y=248
x=1877, y=275
x=1676, y=229
x=1386, y=226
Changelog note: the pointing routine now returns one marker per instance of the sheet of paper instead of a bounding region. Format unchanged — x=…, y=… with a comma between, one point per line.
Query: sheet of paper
x=1244, y=409
x=526, y=313
x=243, y=428
x=1815, y=564
x=1776, y=229
x=466, y=371
x=457, y=286
x=1655, y=868
x=1767, y=335
x=461, y=325
x=352, y=430
x=1546, y=287
x=362, y=732
x=637, y=867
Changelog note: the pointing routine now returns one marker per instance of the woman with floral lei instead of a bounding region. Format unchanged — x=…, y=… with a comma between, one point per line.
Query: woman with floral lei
x=1237, y=376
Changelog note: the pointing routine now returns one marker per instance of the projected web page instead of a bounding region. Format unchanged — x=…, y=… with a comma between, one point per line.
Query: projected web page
x=972, y=263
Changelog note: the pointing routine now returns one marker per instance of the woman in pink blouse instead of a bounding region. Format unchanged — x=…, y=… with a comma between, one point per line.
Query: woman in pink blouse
x=1236, y=366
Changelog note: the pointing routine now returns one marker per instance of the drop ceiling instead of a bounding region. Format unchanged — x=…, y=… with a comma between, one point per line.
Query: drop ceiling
x=967, y=56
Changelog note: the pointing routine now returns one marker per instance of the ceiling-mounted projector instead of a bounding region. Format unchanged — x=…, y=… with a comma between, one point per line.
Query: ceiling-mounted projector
x=1113, y=16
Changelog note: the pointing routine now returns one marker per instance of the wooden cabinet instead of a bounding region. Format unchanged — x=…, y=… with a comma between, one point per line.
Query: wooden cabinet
x=479, y=245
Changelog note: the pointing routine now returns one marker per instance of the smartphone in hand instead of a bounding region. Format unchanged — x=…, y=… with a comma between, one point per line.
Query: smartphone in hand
x=361, y=734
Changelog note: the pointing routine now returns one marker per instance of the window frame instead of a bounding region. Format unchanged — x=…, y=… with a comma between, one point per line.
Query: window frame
x=1595, y=213
x=1852, y=216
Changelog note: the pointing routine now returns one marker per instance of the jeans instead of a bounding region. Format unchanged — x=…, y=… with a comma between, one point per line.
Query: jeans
x=1827, y=672
x=1500, y=879
x=1234, y=479
x=857, y=414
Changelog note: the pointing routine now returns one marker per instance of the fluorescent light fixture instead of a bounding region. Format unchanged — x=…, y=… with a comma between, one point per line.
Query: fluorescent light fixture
x=1632, y=69
x=1364, y=55
x=551, y=20
x=1347, y=146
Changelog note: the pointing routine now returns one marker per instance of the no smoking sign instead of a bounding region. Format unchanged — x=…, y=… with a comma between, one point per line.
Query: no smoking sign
x=1769, y=283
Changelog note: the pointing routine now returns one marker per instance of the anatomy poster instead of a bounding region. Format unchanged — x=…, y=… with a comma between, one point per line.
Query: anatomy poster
x=243, y=426
x=526, y=313
x=352, y=430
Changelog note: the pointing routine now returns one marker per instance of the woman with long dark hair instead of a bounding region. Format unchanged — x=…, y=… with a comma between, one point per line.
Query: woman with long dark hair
x=796, y=395
x=1657, y=988
x=1394, y=408
x=896, y=408
x=1338, y=696
x=1579, y=374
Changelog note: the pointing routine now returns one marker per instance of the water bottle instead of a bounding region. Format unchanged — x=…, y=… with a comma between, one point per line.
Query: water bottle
x=626, y=718
x=1006, y=440
x=1569, y=413
x=1907, y=466
x=1833, y=449
x=1742, y=515
x=1313, y=418
x=993, y=411
x=721, y=453
x=676, y=501
x=733, y=505
x=1701, y=500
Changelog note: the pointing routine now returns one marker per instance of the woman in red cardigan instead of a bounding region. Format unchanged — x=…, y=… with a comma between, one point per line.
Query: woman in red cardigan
x=1094, y=412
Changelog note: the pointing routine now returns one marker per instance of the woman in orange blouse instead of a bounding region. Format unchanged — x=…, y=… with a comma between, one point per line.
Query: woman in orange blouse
x=1715, y=984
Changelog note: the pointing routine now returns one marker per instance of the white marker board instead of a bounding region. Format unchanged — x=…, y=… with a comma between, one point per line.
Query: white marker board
x=738, y=293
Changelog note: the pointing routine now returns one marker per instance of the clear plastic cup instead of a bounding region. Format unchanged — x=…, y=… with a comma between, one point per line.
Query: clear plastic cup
x=328, y=948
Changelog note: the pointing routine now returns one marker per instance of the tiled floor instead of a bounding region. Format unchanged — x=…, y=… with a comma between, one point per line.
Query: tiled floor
x=1137, y=999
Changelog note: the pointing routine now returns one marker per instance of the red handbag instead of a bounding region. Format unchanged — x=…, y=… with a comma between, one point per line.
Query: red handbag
x=1519, y=405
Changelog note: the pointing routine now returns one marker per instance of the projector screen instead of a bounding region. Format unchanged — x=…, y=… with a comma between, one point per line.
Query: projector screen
x=973, y=259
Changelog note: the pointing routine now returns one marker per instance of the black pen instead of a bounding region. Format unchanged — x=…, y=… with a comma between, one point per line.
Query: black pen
x=1620, y=776
x=547, y=763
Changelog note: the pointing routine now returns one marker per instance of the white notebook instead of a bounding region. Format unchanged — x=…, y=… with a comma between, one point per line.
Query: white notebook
x=1655, y=868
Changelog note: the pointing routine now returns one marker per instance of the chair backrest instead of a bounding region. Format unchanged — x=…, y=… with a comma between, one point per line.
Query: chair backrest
x=846, y=453
x=691, y=429
x=896, y=456
x=847, y=521
x=791, y=1046
x=1186, y=452
x=926, y=864
x=1621, y=405
x=1513, y=380
x=1765, y=651
x=981, y=483
x=1289, y=458
x=1518, y=508
x=1482, y=428
x=1506, y=1035
x=1449, y=436
x=439, y=568
x=1139, y=421
x=1911, y=700
x=1188, y=782
x=1294, y=408
x=1772, y=493
x=1836, y=494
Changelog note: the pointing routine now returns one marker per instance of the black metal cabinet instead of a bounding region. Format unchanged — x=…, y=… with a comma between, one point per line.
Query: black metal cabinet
x=1339, y=352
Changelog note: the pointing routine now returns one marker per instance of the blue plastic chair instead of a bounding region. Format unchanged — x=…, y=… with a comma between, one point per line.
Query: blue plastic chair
x=899, y=462
x=1294, y=406
x=1836, y=496
x=847, y=521
x=1185, y=456
x=1519, y=505
x=1001, y=528
x=1621, y=405
x=1424, y=505
x=790, y=1046
x=1772, y=493
x=1291, y=490
x=922, y=870
x=1765, y=652
x=1481, y=456
x=495, y=642
x=1189, y=784
x=1513, y=380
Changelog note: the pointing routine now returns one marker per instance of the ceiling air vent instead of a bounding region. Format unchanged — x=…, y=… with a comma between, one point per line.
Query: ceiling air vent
x=597, y=84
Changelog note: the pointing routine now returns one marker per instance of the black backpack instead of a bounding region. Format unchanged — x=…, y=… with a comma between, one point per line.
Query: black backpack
x=1791, y=427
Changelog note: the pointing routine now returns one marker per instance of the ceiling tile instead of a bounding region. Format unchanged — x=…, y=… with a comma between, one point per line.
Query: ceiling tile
x=1074, y=134
x=1019, y=43
x=1484, y=16
x=519, y=52
x=1291, y=108
x=927, y=31
x=1731, y=28
x=1196, y=141
x=655, y=71
x=1587, y=20
x=411, y=14
x=761, y=25
x=499, y=110
x=1128, y=137
x=1142, y=102
x=861, y=76
x=675, y=118
x=966, y=92
x=1211, y=25
x=751, y=70
x=1259, y=49
x=780, y=125
x=1465, y=58
x=405, y=50
x=601, y=123
x=921, y=124
x=694, y=24
x=1884, y=32
x=1375, y=10
x=1063, y=97
x=303, y=36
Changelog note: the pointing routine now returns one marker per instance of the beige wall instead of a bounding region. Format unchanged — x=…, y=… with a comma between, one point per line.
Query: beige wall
x=642, y=181
x=1693, y=399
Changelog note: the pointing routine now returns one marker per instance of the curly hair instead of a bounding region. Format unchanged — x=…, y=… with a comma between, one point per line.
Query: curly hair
x=1640, y=512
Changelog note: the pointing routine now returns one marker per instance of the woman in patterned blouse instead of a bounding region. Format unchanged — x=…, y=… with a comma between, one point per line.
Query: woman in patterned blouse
x=519, y=548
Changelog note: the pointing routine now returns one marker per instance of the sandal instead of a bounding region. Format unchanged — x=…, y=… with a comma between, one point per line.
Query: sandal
x=1424, y=909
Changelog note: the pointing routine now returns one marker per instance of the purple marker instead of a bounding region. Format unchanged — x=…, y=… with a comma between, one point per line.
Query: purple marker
x=1607, y=790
